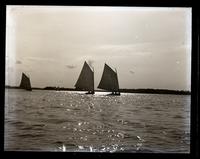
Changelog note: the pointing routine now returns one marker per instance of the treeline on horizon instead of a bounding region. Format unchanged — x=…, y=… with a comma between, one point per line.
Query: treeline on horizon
x=148, y=90
x=155, y=91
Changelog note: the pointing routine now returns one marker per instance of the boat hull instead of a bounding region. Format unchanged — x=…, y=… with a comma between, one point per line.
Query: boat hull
x=90, y=92
x=114, y=94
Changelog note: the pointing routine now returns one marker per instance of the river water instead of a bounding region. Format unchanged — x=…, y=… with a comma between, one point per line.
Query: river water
x=44, y=120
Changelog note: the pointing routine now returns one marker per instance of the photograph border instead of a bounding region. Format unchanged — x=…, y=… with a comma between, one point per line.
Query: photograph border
x=194, y=136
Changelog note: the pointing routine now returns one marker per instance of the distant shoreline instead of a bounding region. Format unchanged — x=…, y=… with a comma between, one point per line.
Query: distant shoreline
x=149, y=91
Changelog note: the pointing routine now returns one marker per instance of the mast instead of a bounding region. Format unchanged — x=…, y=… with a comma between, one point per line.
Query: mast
x=93, y=78
x=117, y=79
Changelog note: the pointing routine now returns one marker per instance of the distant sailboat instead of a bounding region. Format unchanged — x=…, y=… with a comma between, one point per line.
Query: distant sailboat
x=85, y=81
x=25, y=83
x=109, y=81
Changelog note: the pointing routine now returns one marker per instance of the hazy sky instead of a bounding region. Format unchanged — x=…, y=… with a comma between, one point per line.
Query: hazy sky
x=149, y=47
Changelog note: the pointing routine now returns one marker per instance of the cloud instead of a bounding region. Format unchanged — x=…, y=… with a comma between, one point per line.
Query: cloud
x=132, y=72
x=70, y=66
x=18, y=62
x=41, y=59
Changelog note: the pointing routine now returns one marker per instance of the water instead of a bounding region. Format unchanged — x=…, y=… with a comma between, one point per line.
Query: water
x=72, y=121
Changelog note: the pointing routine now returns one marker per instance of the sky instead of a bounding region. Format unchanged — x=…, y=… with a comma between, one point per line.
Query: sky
x=149, y=47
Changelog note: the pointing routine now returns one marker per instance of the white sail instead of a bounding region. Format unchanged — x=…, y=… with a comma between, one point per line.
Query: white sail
x=86, y=79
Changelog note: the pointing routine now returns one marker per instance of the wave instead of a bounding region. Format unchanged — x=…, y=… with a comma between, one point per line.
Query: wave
x=55, y=121
x=31, y=135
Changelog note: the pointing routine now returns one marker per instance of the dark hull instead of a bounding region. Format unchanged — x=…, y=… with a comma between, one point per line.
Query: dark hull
x=114, y=94
x=90, y=92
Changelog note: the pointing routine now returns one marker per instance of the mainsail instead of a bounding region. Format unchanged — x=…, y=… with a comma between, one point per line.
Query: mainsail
x=25, y=82
x=86, y=79
x=109, y=80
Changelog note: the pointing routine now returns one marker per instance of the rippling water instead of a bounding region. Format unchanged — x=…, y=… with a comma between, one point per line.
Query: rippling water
x=72, y=121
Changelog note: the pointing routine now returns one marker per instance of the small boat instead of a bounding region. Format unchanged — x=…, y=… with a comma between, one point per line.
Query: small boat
x=85, y=81
x=25, y=83
x=109, y=80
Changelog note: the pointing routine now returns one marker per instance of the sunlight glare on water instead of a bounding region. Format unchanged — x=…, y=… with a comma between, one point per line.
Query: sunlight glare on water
x=72, y=121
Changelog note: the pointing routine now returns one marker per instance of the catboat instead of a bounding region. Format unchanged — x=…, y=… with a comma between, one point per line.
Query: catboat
x=25, y=82
x=85, y=81
x=109, y=80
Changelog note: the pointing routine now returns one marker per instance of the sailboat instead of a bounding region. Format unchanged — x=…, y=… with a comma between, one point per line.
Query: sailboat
x=25, y=82
x=109, y=80
x=85, y=81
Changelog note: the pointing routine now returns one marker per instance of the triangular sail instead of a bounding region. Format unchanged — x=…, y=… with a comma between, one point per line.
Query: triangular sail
x=25, y=82
x=86, y=79
x=109, y=80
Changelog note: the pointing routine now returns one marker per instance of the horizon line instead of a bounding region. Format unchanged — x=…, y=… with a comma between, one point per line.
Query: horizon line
x=101, y=89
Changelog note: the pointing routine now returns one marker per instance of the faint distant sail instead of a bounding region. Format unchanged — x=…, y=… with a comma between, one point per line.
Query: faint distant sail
x=109, y=80
x=25, y=82
x=86, y=79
